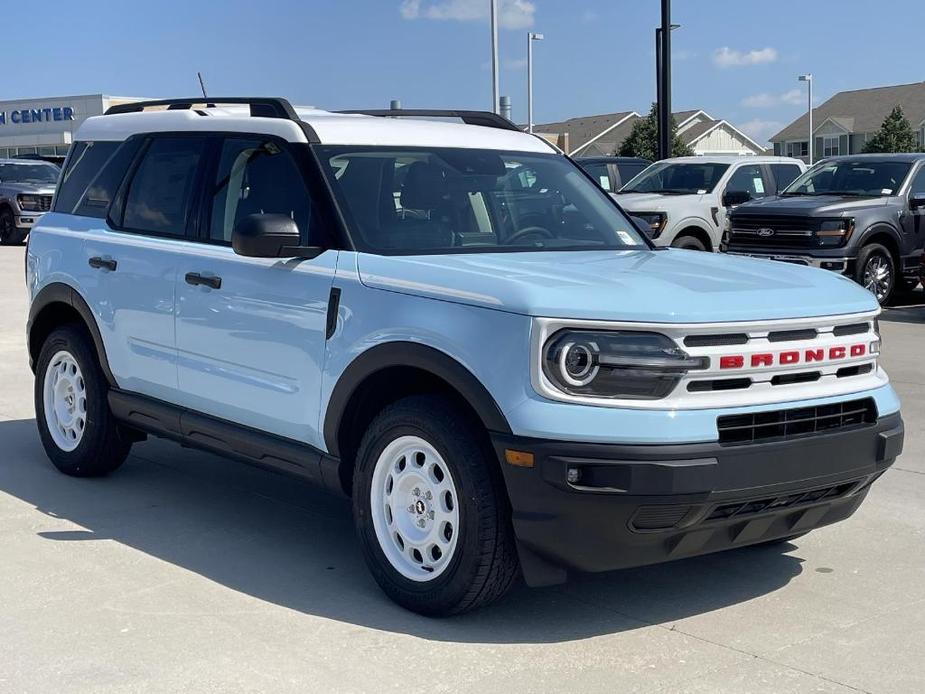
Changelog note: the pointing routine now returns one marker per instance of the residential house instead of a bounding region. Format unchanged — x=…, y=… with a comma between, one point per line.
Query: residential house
x=590, y=136
x=844, y=123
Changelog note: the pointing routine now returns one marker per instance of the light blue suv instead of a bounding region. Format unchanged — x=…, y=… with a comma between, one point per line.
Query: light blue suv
x=451, y=323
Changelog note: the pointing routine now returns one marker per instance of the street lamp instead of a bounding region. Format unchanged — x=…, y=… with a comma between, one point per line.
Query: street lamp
x=808, y=78
x=663, y=88
x=531, y=37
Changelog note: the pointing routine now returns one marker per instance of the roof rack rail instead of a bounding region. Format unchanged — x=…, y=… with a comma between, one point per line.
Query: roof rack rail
x=484, y=118
x=260, y=106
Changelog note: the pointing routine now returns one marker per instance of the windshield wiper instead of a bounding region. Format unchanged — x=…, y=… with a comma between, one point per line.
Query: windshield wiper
x=794, y=193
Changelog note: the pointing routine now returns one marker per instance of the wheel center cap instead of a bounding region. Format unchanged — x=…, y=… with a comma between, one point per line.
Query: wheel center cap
x=419, y=507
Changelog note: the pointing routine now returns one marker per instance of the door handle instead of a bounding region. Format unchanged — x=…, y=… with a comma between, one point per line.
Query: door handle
x=194, y=278
x=99, y=263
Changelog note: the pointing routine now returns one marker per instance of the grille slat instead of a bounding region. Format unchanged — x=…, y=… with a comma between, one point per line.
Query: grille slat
x=740, y=508
x=803, y=421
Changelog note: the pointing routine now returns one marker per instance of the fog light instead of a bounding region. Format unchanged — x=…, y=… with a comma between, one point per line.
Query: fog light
x=573, y=476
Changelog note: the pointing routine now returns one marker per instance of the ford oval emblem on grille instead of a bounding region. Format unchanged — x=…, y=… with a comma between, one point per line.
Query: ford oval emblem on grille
x=765, y=231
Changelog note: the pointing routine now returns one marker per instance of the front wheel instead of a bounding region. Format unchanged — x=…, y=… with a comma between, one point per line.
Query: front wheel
x=9, y=234
x=431, y=511
x=690, y=243
x=876, y=272
x=77, y=429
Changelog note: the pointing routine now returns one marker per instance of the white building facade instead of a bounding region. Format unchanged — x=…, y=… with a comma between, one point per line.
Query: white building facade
x=46, y=126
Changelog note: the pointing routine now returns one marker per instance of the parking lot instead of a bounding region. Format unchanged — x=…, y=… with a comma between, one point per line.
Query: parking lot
x=186, y=572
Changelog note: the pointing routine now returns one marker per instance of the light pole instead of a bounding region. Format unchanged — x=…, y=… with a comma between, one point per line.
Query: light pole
x=660, y=88
x=495, y=86
x=531, y=37
x=808, y=78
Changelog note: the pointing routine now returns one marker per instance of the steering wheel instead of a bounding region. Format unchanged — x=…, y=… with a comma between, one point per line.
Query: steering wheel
x=527, y=231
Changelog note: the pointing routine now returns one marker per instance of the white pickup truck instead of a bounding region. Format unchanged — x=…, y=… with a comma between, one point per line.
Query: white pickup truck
x=683, y=201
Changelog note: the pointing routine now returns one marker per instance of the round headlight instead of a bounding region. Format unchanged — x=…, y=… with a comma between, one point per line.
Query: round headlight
x=578, y=362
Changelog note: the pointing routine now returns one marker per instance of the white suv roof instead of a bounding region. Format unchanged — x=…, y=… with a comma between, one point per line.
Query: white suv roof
x=732, y=159
x=325, y=127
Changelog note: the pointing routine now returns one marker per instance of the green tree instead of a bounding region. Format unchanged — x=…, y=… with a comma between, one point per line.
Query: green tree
x=643, y=139
x=895, y=135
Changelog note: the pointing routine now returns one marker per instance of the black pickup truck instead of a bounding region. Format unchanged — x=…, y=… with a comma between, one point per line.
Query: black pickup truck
x=860, y=215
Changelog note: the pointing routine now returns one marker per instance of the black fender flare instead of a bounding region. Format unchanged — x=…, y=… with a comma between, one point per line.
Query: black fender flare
x=881, y=227
x=414, y=355
x=60, y=293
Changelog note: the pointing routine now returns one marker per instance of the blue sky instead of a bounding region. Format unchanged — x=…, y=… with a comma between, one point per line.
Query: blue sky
x=736, y=59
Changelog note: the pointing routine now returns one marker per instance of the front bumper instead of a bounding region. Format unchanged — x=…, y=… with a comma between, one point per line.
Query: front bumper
x=643, y=504
x=834, y=263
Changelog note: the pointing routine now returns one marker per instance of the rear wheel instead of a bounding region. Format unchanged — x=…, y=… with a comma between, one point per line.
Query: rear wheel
x=688, y=242
x=77, y=429
x=9, y=234
x=876, y=272
x=431, y=511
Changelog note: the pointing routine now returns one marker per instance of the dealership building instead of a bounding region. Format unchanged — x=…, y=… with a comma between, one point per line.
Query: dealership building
x=47, y=125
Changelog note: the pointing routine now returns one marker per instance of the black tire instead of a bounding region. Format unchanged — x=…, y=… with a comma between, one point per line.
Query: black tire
x=688, y=242
x=103, y=446
x=484, y=565
x=871, y=259
x=9, y=234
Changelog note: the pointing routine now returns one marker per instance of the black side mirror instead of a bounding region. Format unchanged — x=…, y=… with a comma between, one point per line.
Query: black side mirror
x=731, y=198
x=270, y=236
x=916, y=200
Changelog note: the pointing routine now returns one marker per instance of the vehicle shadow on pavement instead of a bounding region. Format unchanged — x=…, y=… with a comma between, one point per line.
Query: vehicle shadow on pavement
x=288, y=543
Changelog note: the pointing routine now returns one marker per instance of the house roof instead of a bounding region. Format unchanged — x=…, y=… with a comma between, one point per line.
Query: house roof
x=608, y=127
x=862, y=110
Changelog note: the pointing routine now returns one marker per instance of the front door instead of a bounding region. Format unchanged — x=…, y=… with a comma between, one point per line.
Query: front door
x=251, y=331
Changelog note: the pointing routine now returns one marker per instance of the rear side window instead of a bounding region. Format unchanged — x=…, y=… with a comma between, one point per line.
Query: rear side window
x=83, y=165
x=159, y=195
x=785, y=174
x=629, y=171
x=601, y=174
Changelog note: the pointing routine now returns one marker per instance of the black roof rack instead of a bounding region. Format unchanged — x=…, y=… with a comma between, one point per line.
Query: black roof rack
x=483, y=118
x=260, y=106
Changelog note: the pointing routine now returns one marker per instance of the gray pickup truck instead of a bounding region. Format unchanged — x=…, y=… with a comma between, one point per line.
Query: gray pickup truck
x=860, y=215
x=26, y=189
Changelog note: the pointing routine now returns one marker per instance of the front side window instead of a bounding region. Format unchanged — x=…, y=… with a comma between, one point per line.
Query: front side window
x=675, y=178
x=29, y=173
x=452, y=200
x=747, y=179
x=858, y=178
x=256, y=176
x=158, y=198
x=918, y=183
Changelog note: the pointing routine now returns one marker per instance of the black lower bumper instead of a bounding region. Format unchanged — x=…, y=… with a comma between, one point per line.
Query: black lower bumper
x=632, y=505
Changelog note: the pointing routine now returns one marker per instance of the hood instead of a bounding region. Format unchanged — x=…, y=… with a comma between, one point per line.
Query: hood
x=655, y=202
x=664, y=286
x=809, y=205
x=31, y=188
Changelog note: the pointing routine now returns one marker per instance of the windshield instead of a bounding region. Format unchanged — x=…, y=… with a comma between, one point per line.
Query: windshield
x=29, y=173
x=851, y=178
x=442, y=200
x=676, y=178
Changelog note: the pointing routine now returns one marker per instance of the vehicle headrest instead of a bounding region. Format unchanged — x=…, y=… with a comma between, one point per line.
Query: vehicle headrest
x=424, y=187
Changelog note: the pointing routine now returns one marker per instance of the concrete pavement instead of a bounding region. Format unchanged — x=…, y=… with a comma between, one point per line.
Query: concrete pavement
x=186, y=572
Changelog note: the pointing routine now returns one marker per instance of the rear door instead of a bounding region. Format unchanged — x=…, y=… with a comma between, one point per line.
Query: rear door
x=913, y=222
x=132, y=250
x=251, y=331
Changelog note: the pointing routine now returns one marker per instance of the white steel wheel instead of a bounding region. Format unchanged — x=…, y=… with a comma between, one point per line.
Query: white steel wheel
x=415, y=508
x=65, y=400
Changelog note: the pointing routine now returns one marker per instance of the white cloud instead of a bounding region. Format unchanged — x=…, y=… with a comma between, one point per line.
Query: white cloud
x=514, y=63
x=589, y=16
x=766, y=100
x=512, y=14
x=729, y=57
x=760, y=130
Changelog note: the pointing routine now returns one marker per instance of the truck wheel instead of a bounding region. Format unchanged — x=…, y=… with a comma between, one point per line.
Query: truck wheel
x=75, y=424
x=9, y=234
x=876, y=272
x=431, y=511
x=690, y=243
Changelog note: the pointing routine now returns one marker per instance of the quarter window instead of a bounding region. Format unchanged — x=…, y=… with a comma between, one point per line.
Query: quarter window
x=256, y=176
x=158, y=199
x=85, y=162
